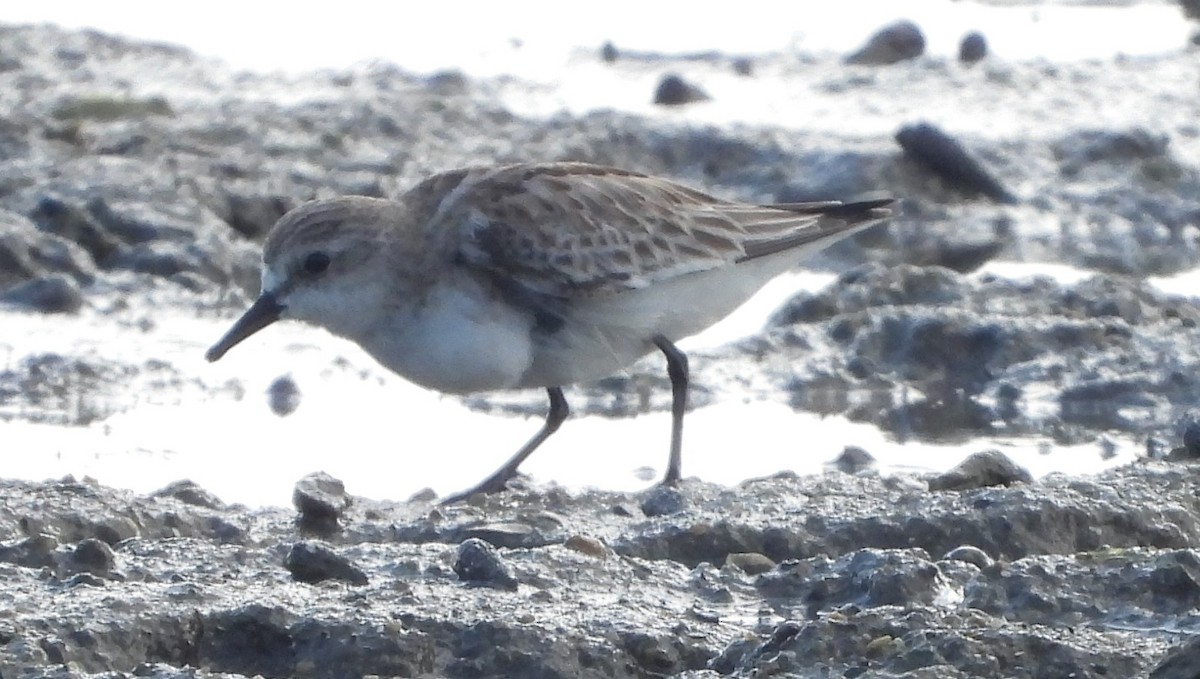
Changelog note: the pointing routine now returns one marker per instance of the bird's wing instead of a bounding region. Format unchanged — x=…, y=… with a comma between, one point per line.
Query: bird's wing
x=570, y=229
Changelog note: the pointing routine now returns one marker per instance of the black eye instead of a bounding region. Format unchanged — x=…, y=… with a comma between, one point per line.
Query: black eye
x=316, y=263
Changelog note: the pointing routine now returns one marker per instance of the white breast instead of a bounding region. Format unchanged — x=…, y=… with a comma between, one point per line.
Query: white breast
x=462, y=340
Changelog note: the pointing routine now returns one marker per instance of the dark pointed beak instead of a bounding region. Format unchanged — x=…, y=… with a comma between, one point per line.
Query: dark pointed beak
x=262, y=313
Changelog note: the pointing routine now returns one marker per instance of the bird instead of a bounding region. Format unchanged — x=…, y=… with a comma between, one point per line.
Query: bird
x=533, y=275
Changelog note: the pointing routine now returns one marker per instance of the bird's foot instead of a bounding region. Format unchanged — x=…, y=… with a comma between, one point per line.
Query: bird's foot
x=495, y=483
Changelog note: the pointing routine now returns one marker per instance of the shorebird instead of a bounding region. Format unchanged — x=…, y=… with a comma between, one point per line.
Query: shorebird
x=533, y=275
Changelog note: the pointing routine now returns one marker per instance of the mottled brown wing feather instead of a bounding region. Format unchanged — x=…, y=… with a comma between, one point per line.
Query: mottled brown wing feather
x=566, y=229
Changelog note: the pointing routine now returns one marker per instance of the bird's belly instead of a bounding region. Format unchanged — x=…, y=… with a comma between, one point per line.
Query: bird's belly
x=459, y=345
x=583, y=355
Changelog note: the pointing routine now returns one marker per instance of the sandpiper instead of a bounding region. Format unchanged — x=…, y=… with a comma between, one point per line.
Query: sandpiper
x=532, y=275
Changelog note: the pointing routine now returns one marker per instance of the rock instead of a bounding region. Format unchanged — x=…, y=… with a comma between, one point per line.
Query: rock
x=189, y=491
x=853, y=460
x=891, y=44
x=283, y=395
x=752, y=563
x=673, y=90
x=1182, y=661
x=980, y=470
x=586, y=545
x=321, y=501
x=743, y=66
x=92, y=556
x=478, y=563
x=312, y=562
x=662, y=501
x=969, y=554
x=941, y=154
x=608, y=52
x=973, y=48
x=51, y=294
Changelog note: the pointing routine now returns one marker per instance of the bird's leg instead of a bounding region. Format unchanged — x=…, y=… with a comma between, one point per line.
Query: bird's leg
x=499, y=478
x=677, y=370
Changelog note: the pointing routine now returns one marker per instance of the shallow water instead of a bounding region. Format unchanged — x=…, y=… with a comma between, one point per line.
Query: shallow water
x=387, y=438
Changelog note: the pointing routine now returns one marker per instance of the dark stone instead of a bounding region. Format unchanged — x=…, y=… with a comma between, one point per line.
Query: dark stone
x=92, y=556
x=980, y=470
x=51, y=294
x=973, y=48
x=944, y=156
x=853, y=460
x=283, y=395
x=188, y=491
x=891, y=44
x=662, y=501
x=673, y=90
x=312, y=563
x=743, y=66
x=608, y=52
x=478, y=563
x=1182, y=661
x=321, y=500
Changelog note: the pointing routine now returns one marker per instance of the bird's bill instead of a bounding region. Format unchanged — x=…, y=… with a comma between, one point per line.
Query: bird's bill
x=265, y=311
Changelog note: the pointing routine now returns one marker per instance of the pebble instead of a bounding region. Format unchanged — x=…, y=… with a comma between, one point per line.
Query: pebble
x=313, y=562
x=891, y=44
x=673, y=90
x=479, y=563
x=321, y=501
x=980, y=470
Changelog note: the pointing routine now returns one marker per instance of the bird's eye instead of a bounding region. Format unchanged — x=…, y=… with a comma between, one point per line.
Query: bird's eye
x=316, y=263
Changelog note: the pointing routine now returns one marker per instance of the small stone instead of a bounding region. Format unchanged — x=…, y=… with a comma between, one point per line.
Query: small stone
x=321, y=500
x=608, y=52
x=743, y=66
x=752, y=563
x=283, y=395
x=938, y=152
x=312, y=562
x=853, y=460
x=189, y=492
x=980, y=470
x=93, y=556
x=969, y=554
x=662, y=501
x=586, y=545
x=673, y=90
x=973, y=48
x=478, y=563
x=891, y=44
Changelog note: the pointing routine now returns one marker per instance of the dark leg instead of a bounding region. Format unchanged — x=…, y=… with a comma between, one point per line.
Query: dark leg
x=677, y=370
x=499, y=478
